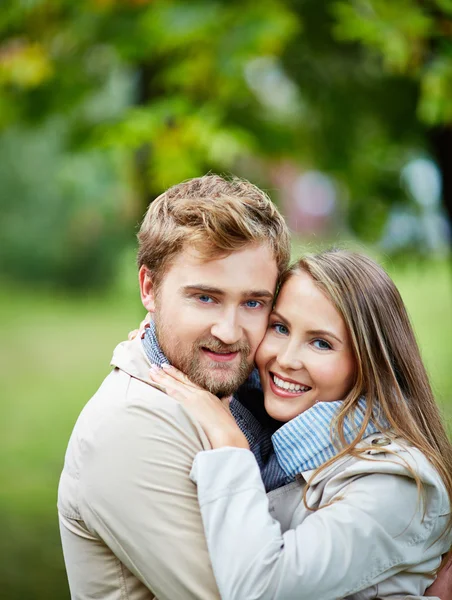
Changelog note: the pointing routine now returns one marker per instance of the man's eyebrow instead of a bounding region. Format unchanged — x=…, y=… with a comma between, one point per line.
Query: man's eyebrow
x=258, y=294
x=199, y=287
x=207, y=289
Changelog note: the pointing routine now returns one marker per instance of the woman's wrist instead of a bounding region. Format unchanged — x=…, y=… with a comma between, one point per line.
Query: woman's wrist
x=221, y=438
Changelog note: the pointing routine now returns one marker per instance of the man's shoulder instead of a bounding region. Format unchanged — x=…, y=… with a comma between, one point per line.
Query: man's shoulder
x=124, y=414
x=128, y=383
x=122, y=394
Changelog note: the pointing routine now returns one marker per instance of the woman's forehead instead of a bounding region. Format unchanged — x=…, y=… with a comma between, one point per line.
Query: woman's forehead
x=301, y=300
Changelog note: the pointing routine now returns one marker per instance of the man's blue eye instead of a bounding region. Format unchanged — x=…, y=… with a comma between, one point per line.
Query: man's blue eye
x=281, y=329
x=322, y=345
x=253, y=303
x=205, y=299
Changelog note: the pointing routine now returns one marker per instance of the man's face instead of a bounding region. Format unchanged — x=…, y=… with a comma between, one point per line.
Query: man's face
x=211, y=316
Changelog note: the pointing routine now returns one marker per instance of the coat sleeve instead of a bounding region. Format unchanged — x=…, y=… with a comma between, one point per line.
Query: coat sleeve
x=372, y=531
x=137, y=496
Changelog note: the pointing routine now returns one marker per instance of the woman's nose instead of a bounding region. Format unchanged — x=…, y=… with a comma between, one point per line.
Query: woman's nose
x=290, y=358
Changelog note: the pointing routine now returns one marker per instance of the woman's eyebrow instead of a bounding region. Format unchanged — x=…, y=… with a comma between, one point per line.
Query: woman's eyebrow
x=326, y=332
x=275, y=313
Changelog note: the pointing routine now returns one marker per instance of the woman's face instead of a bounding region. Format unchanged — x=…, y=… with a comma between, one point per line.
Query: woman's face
x=306, y=355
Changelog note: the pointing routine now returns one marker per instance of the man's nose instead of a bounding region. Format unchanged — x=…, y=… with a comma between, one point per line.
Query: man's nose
x=228, y=328
x=290, y=357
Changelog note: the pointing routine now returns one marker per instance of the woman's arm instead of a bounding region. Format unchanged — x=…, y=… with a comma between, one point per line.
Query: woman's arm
x=442, y=587
x=373, y=532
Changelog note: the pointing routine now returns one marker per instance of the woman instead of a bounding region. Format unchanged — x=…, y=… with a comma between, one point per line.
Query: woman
x=371, y=518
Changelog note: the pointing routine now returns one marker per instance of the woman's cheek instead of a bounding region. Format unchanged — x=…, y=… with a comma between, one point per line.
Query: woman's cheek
x=267, y=350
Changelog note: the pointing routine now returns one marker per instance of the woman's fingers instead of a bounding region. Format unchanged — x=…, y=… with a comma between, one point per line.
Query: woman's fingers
x=175, y=375
x=216, y=420
x=145, y=323
x=170, y=383
x=178, y=375
x=177, y=394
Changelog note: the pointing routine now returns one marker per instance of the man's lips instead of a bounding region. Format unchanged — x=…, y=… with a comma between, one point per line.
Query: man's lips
x=276, y=383
x=219, y=356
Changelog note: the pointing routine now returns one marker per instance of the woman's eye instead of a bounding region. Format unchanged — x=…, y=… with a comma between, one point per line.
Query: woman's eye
x=280, y=328
x=322, y=345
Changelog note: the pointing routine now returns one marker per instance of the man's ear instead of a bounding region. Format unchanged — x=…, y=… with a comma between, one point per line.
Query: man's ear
x=146, y=289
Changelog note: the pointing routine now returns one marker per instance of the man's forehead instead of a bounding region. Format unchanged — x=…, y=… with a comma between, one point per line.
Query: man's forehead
x=252, y=270
x=202, y=256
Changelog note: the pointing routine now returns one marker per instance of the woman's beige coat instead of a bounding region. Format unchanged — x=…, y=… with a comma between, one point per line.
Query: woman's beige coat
x=370, y=539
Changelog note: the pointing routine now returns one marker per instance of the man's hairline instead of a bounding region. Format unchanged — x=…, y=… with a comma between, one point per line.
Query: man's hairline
x=219, y=256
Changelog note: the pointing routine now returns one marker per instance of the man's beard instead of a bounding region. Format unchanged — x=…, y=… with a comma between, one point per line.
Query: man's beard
x=222, y=379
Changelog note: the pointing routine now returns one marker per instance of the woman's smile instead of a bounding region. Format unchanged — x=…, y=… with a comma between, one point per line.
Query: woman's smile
x=284, y=386
x=306, y=355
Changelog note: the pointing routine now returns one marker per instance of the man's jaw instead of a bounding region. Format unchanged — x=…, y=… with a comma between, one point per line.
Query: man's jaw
x=222, y=373
x=217, y=367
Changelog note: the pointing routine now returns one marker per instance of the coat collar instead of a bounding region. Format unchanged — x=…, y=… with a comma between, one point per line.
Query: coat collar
x=131, y=358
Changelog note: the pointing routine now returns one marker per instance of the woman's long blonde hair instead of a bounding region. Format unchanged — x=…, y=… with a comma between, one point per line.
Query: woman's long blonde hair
x=390, y=373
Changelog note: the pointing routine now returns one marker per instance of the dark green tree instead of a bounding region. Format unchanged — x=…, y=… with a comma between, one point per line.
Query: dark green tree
x=104, y=103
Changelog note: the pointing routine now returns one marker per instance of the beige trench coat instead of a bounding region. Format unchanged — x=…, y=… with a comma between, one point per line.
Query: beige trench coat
x=129, y=516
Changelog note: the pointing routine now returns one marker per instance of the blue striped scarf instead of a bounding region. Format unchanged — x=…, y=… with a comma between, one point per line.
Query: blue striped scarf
x=281, y=451
x=304, y=443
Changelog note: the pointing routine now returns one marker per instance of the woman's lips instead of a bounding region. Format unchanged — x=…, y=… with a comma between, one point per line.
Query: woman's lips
x=285, y=393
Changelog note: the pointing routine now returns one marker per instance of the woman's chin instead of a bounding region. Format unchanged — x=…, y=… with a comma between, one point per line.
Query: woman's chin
x=280, y=413
x=283, y=410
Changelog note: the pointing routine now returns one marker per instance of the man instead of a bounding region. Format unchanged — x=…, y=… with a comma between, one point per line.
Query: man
x=210, y=255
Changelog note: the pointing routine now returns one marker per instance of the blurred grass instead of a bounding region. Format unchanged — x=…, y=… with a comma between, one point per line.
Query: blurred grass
x=427, y=292
x=55, y=351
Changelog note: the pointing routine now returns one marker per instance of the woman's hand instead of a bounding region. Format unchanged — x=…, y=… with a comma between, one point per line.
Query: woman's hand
x=442, y=586
x=214, y=417
x=143, y=325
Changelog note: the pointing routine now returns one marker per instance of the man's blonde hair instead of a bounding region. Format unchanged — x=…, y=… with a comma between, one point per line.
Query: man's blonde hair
x=214, y=215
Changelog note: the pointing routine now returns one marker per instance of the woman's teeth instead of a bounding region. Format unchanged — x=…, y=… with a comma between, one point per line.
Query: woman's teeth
x=291, y=387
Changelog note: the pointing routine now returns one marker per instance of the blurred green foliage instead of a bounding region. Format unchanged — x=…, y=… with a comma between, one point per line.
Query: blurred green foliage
x=63, y=219
x=413, y=39
x=105, y=103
